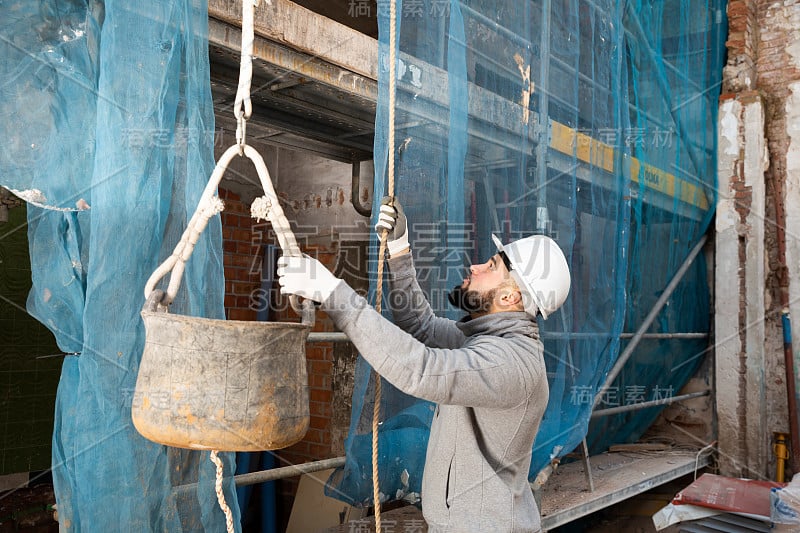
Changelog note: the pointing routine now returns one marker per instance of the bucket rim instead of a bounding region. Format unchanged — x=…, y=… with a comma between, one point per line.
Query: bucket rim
x=219, y=321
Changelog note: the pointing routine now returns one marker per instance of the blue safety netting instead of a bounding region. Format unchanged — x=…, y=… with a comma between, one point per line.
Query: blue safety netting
x=107, y=123
x=590, y=121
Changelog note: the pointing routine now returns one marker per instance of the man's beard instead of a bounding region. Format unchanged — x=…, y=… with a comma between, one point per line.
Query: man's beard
x=473, y=302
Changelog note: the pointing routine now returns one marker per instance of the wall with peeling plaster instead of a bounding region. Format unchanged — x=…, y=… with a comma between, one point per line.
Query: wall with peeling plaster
x=759, y=190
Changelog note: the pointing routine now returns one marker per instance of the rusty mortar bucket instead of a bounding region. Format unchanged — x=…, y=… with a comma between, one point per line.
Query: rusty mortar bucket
x=222, y=384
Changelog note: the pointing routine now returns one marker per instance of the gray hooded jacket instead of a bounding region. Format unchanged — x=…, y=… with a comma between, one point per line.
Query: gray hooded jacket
x=487, y=376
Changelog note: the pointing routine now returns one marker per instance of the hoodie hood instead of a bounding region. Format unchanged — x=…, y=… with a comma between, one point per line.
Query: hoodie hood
x=514, y=322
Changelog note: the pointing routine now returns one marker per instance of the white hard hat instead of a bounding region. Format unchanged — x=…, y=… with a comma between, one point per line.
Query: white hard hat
x=540, y=269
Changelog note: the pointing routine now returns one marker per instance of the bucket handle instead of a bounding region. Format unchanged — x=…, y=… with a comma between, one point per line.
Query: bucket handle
x=153, y=303
x=209, y=206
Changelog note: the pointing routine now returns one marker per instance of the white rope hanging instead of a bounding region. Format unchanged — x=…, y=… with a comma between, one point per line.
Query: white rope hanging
x=220, y=494
x=242, y=110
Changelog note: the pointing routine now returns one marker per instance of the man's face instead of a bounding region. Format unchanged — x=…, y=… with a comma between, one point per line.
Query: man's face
x=486, y=276
x=477, y=293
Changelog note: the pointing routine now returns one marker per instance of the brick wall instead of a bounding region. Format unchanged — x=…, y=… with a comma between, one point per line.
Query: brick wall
x=761, y=36
x=740, y=73
x=778, y=23
x=241, y=258
x=742, y=28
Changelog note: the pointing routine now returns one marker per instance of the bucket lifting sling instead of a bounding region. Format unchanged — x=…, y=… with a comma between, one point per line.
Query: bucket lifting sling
x=222, y=384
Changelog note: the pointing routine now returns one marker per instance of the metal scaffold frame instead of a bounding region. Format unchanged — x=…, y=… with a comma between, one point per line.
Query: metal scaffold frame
x=307, y=61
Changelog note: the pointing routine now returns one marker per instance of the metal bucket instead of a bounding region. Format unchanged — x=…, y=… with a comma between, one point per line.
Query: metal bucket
x=221, y=384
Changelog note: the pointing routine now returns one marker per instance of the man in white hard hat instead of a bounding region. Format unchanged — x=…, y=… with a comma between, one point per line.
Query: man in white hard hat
x=485, y=372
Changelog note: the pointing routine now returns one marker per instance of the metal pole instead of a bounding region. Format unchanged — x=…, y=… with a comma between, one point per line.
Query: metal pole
x=263, y=476
x=587, y=464
x=494, y=25
x=645, y=405
x=327, y=336
x=273, y=474
x=337, y=336
x=600, y=334
x=791, y=389
x=651, y=316
x=666, y=335
x=543, y=124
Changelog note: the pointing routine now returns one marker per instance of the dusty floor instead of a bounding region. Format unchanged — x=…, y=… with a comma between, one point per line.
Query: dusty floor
x=630, y=516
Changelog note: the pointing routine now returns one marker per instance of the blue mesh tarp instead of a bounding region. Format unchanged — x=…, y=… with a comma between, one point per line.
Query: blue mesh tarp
x=108, y=124
x=590, y=121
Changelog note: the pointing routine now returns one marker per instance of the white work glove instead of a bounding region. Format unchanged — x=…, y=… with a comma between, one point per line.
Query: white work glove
x=306, y=277
x=393, y=220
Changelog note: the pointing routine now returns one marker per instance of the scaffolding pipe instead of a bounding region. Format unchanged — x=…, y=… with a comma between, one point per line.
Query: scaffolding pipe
x=263, y=476
x=645, y=405
x=336, y=336
x=666, y=335
x=493, y=24
x=596, y=335
x=543, y=124
x=327, y=336
x=651, y=316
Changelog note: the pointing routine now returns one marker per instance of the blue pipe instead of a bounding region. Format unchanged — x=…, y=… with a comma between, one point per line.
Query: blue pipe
x=791, y=389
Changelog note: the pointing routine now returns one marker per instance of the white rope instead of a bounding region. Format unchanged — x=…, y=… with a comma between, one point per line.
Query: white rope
x=209, y=205
x=220, y=494
x=242, y=109
x=243, y=106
